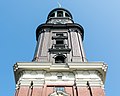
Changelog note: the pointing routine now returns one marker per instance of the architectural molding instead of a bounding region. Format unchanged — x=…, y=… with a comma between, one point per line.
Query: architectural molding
x=94, y=72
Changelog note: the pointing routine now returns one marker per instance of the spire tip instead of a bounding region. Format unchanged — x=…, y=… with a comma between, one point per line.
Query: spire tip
x=59, y=5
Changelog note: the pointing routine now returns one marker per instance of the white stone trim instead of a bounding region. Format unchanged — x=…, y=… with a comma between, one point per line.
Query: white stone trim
x=42, y=73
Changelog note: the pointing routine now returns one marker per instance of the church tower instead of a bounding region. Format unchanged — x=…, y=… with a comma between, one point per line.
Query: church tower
x=59, y=66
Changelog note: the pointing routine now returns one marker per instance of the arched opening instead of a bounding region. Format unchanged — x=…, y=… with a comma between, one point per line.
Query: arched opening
x=67, y=15
x=52, y=15
x=59, y=13
x=60, y=59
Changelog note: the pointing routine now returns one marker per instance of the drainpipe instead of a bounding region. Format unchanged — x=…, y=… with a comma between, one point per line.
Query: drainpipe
x=88, y=84
x=30, y=90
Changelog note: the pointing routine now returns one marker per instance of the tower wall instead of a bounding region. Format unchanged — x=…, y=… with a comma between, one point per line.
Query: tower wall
x=73, y=42
x=59, y=66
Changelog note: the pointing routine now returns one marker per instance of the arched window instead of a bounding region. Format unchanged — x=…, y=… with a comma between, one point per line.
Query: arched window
x=59, y=13
x=60, y=59
x=67, y=15
x=52, y=15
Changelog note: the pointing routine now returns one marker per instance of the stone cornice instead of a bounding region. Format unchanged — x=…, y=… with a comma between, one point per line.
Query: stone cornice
x=69, y=67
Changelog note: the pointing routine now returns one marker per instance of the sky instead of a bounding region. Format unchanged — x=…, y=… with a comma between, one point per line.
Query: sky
x=20, y=18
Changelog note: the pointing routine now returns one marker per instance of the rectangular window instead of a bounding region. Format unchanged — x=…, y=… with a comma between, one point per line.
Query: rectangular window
x=59, y=89
x=59, y=13
x=59, y=34
x=59, y=42
x=60, y=77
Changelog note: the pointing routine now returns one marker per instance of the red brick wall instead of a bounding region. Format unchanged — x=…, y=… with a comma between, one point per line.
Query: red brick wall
x=69, y=90
x=83, y=91
x=23, y=91
x=97, y=91
x=46, y=90
x=37, y=91
x=49, y=90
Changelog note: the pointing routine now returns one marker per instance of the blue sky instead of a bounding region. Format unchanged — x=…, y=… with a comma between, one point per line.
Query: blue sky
x=20, y=18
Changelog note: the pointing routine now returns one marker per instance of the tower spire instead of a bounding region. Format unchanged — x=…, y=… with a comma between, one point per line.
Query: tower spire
x=59, y=5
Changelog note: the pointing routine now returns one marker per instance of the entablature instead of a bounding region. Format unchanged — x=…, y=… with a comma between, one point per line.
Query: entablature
x=99, y=67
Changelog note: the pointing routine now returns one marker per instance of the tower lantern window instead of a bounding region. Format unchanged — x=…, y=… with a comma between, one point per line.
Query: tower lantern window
x=52, y=15
x=66, y=15
x=59, y=13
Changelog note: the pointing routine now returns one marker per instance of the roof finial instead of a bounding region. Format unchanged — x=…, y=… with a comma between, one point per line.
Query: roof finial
x=59, y=5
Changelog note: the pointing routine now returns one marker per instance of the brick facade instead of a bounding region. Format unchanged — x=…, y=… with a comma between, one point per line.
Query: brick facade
x=70, y=90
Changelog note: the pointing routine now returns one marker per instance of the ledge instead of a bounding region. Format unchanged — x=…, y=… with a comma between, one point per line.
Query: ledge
x=72, y=66
x=66, y=67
